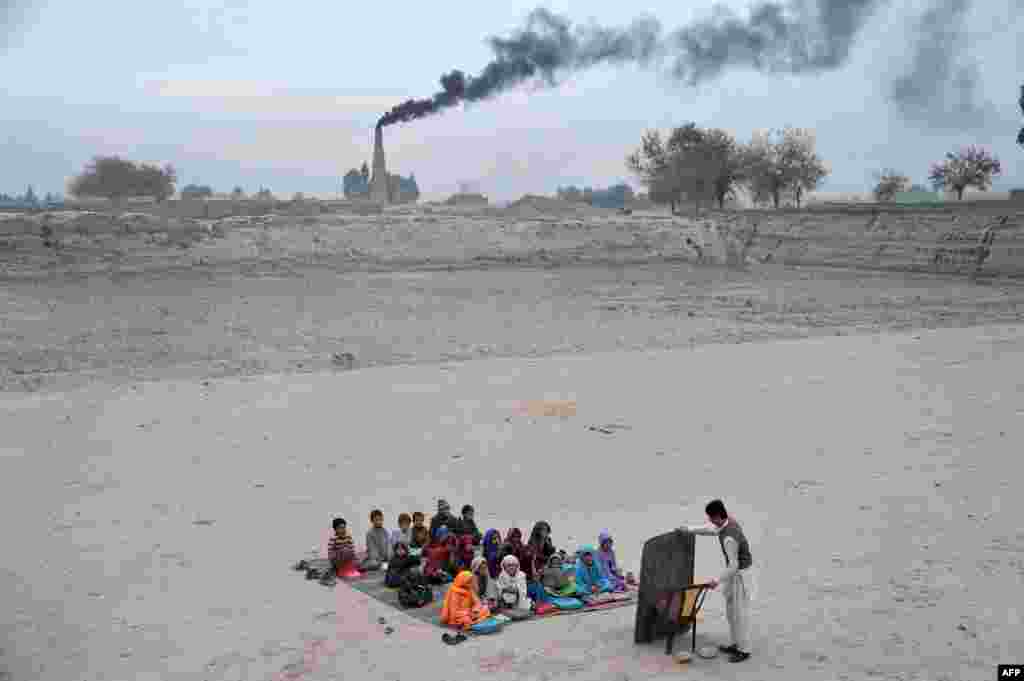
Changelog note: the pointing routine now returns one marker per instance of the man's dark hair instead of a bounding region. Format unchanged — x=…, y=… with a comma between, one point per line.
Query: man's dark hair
x=336, y=522
x=404, y=517
x=418, y=514
x=467, y=509
x=716, y=509
x=376, y=513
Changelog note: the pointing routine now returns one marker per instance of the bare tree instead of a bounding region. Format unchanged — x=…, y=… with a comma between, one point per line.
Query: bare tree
x=694, y=163
x=114, y=178
x=803, y=166
x=970, y=167
x=888, y=183
x=783, y=161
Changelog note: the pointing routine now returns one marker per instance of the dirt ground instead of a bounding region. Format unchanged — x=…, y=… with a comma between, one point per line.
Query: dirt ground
x=226, y=321
x=177, y=434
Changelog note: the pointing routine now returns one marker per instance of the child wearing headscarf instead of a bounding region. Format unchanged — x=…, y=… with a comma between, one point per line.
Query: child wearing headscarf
x=606, y=557
x=462, y=607
x=590, y=578
x=513, y=545
x=556, y=580
x=492, y=551
x=487, y=586
x=513, y=596
x=538, y=549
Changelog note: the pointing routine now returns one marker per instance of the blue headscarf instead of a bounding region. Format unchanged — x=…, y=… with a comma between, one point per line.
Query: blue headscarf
x=592, y=575
x=491, y=551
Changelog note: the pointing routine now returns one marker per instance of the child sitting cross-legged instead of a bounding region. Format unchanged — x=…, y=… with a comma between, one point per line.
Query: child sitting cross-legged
x=341, y=551
x=462, y=606
x=513, y=597
x=437, y=558
x=590, y=577
x=401, y=566
x=378, y=543
x=420, y=532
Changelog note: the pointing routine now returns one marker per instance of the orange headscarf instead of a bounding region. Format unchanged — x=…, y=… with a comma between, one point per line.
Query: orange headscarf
x=462, y=606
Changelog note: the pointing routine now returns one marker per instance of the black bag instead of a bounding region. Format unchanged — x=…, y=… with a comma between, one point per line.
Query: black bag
x=666, y=568
x=414, y=593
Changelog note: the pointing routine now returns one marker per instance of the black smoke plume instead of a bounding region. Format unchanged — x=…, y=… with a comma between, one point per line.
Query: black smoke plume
x=939, y=84
x=798, y=37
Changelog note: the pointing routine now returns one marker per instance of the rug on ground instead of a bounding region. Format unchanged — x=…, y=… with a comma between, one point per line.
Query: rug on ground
x=372, y=584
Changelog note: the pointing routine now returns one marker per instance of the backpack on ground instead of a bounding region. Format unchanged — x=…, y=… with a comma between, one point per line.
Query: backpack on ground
x=414, y=594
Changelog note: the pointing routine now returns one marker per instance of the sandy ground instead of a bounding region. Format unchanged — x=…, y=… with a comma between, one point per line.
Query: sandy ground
x=151, y=526
x=63, y=332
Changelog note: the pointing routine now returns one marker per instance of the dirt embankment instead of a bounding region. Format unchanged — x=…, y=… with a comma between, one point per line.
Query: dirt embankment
x=533, y=230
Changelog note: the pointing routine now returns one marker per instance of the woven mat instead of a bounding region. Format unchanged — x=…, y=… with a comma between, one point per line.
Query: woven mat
x=372, y=584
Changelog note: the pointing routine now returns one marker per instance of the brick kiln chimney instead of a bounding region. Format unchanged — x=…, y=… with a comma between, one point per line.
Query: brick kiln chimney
x=379, y=179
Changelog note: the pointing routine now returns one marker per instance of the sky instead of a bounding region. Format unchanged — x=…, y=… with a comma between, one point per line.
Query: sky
x=286, y=96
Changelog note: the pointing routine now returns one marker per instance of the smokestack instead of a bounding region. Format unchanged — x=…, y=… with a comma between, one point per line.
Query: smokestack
x=379, y=178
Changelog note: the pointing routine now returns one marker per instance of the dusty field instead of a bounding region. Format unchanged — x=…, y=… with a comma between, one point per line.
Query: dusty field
x=150, y=528
x=178, y=430
x=223, y=322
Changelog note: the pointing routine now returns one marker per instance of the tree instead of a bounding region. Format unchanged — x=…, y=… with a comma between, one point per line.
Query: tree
x=264, y=194
x=889, y=182
x=196, y=191
x=354, y=184
x=571, y=193
x=114, y=178
x=237, y=193
x=696, y=163
x=970, y=167
x=780, y=161
x=803, y=166
x=657, y=169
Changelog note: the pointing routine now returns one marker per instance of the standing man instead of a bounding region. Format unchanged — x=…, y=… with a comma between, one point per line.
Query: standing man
x=735, y=580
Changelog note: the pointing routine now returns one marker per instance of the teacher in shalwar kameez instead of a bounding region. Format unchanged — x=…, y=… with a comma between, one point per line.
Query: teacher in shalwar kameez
x=735, y=580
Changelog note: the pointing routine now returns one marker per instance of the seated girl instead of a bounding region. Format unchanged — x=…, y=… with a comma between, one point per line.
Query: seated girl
x=462, y=607
x=401, y=565
x=538, y=549
x=492, y=551
x=513, y=596
x=556, y=580
x=464, y=553
x=590, y=578
x=606, y=557
x=487, y=586
x=513, y=545
x=437, y=558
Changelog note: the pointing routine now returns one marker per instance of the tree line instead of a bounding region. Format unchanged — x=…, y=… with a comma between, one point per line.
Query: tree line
x=616, y=196
x=709, y=165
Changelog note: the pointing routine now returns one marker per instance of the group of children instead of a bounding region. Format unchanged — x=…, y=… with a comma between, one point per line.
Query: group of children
x=488, y=573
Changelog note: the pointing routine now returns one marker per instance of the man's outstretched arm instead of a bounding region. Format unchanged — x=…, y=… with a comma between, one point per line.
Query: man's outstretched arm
x=706, y=530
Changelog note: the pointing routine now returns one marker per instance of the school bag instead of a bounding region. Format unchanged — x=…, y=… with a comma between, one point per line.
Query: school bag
x=414, y=594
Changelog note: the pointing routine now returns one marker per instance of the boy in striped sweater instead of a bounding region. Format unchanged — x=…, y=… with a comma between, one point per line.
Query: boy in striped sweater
x=341, y=550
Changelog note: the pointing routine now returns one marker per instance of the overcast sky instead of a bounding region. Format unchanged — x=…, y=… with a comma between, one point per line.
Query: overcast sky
x=285, y=96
